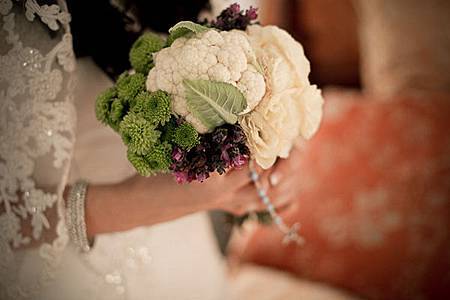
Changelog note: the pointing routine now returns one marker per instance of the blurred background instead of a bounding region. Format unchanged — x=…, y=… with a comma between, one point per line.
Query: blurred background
x=374, y=183
x=374, y=201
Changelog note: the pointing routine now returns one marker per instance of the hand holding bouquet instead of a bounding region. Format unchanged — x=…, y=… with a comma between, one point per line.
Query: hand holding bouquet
x=212, y=97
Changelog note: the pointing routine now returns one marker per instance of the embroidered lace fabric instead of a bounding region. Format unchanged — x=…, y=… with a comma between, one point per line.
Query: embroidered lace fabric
x=37, y=134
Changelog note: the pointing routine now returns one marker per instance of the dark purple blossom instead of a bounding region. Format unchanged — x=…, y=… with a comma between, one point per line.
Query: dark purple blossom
x=225, y=157
x=202, y=177
x=235, y=8
x=235, y=18
x=181, y=177
x=177, y=154
x=251, y=13
x=218, y=151
x=239, y=161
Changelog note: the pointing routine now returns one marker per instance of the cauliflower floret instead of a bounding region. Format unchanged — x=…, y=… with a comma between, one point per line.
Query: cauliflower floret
x=225, y=56
x=219, y=72
x=253, y=86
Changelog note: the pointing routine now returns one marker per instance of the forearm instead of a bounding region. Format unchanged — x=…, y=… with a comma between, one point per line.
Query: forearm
x=140, y=201
x=105, y=211
x=126, y=205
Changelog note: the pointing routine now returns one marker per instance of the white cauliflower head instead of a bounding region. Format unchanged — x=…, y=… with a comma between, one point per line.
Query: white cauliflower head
x=224, y=56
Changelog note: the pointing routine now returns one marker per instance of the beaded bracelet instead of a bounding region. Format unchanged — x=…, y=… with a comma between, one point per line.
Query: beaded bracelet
x=75, y=216
x=290, y=233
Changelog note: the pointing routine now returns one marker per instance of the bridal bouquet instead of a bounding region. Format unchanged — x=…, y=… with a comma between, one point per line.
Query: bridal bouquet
x=211, y=97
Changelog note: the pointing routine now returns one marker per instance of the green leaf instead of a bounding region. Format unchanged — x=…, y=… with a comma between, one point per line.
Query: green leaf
x=214, y=103
x=183, y=28
x=191, y=26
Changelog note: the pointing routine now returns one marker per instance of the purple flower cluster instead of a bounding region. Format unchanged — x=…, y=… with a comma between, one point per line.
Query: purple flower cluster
x=235, y=18
x=218, y=151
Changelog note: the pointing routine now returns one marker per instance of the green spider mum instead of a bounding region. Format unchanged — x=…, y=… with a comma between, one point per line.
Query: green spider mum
x=141, y=53
x=168, y=130
x=154, y=106
x=129, y=86
x=160, y=157
x=139, y=163
x=103, y=105
x=119, y=109
x=186, y=136
x=138, y=134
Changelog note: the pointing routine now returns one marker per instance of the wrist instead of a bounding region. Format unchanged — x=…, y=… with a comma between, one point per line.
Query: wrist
x=103, y=203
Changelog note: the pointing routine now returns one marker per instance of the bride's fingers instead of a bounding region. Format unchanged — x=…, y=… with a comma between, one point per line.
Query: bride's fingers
x=283, y=195
x=279, y=172
x=237, y=178
x=241, y=177
x=281, y=200
x=263, y=181
x=284, y=208
x=250, y=195
x=248, y=199
x=284, y=167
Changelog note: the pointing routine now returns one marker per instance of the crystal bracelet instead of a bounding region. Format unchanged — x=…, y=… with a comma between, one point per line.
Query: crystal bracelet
x=290, y=233
x=75, y=216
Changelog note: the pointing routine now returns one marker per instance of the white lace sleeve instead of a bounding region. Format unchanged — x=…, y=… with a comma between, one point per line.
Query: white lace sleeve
x=37, y=120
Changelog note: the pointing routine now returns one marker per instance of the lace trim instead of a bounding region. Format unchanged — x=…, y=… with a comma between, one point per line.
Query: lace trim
x=36, y=126
x=49, y=15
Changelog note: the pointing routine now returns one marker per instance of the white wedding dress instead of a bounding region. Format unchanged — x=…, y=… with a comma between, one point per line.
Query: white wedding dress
x=41, y=94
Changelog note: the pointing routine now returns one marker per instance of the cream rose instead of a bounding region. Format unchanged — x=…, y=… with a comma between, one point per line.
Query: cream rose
x=291, y=106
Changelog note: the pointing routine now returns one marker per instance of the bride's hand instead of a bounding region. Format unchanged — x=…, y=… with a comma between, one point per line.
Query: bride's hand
x=281, y=184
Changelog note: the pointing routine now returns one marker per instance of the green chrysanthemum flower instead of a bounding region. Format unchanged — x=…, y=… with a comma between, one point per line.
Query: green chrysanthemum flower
x=141, y=53
x=139, y=163
x=154, y=106
x=103, y=105
x=168, y=130
x=160, y=157
x=186, y=136
x=119, y=109
x=129, y=86
x=138, y=134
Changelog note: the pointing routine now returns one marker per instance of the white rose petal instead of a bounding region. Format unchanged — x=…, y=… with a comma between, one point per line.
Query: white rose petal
x=264, y=141
x=291, y=107
x=310, y=110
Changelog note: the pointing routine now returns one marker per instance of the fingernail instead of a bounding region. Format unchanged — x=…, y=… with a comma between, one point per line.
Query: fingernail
x=274, y=179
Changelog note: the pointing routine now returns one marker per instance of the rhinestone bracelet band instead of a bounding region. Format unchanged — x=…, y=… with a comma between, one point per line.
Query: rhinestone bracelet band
x=75, y=216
